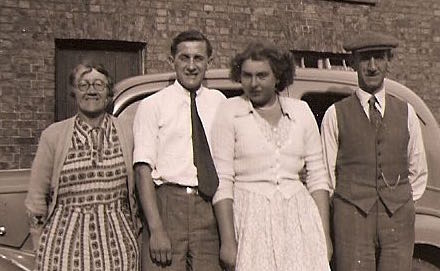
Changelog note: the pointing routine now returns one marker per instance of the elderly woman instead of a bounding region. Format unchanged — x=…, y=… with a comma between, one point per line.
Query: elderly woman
x=81, y=202
x=268, y=219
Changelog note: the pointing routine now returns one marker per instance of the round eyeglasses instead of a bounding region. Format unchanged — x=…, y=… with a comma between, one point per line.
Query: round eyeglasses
x=98, y=85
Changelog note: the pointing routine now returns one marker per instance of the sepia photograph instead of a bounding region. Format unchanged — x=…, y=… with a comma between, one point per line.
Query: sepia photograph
x=219, y=135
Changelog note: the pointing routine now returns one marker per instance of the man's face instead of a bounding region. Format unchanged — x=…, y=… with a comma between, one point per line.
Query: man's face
x=190, y=63
x=371, y=67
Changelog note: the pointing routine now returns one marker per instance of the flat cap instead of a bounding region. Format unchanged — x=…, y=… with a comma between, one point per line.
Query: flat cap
x=370, y=41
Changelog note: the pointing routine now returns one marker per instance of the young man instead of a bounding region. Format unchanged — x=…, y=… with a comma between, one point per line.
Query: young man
x=182, y=230
x=375, y=155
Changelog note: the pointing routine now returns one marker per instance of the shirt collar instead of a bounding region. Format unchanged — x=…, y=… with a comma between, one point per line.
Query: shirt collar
x=364, y=96
x=83, y=130
x=85, y=127
x=286, y=110
x=184, y=91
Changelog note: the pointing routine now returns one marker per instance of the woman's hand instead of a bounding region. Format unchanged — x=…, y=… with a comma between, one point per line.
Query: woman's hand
x=228, y=255
x=228, y=249
x=35, y=240
x=322, y=199
x=36, y=224
x=328, y=241
x=160, y=247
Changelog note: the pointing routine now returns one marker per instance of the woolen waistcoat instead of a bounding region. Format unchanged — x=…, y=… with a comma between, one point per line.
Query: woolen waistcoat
x=373, y=164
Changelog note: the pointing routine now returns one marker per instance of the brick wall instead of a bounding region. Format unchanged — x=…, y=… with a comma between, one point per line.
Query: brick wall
x=28, y=29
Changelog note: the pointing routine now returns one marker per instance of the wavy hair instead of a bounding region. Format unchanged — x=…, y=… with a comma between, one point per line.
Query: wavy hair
x=190, y=35
x=281, y=62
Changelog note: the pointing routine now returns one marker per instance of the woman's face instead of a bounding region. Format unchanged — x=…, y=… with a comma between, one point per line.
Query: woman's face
x=91, y=93
x=258, y=82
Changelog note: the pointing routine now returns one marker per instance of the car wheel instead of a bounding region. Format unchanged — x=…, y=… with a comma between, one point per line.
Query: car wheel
x=422, y=265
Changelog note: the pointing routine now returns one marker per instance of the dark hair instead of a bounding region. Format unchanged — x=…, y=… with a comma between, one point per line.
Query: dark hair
x=87, y=67
x=190, y=35
x=281, y=62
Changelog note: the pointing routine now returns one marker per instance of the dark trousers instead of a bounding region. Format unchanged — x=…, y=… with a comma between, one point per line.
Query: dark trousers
x=192, y=229
x=374, y=241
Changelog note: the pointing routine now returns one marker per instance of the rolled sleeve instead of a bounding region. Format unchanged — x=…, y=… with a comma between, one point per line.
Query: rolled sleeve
x=145, y=133
x=223, y=140
x=317, y=175
x=418, y=168
x=330, y=144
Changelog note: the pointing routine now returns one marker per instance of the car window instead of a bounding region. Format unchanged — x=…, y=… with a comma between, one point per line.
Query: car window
x=320, y=101
x=231, y=92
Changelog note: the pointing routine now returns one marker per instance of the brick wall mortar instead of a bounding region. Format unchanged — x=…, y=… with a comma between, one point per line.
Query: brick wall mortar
x=28, y=29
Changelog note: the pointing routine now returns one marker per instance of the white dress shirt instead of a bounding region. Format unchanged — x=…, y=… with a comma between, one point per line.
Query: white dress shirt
x=162, y=132
x=418, y=169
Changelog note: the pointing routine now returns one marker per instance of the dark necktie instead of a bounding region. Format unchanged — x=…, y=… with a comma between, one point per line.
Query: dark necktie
x=206, y=172
x=375, y=116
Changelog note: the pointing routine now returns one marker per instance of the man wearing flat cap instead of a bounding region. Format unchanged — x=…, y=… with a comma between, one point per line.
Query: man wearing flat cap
x=374, y=152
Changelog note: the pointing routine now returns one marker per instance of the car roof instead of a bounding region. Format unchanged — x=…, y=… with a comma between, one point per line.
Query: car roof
x=143, y=85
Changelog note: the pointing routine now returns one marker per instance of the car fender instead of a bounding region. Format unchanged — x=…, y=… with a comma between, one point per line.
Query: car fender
x=427, y=230
x=22, y=260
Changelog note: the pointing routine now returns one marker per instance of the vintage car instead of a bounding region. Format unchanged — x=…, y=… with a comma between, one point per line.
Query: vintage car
x=318, y=87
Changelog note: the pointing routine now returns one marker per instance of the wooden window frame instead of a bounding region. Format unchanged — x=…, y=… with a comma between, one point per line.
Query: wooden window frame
x=322, y=60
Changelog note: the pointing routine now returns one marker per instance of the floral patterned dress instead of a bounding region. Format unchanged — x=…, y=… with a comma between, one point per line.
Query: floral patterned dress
x=91, y=228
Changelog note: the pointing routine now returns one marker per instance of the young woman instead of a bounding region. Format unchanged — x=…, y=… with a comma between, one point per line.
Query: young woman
x=268, y=218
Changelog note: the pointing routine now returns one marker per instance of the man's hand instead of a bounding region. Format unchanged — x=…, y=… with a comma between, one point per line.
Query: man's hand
x=160, y=247
x=160, y=244
x=228, y=255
